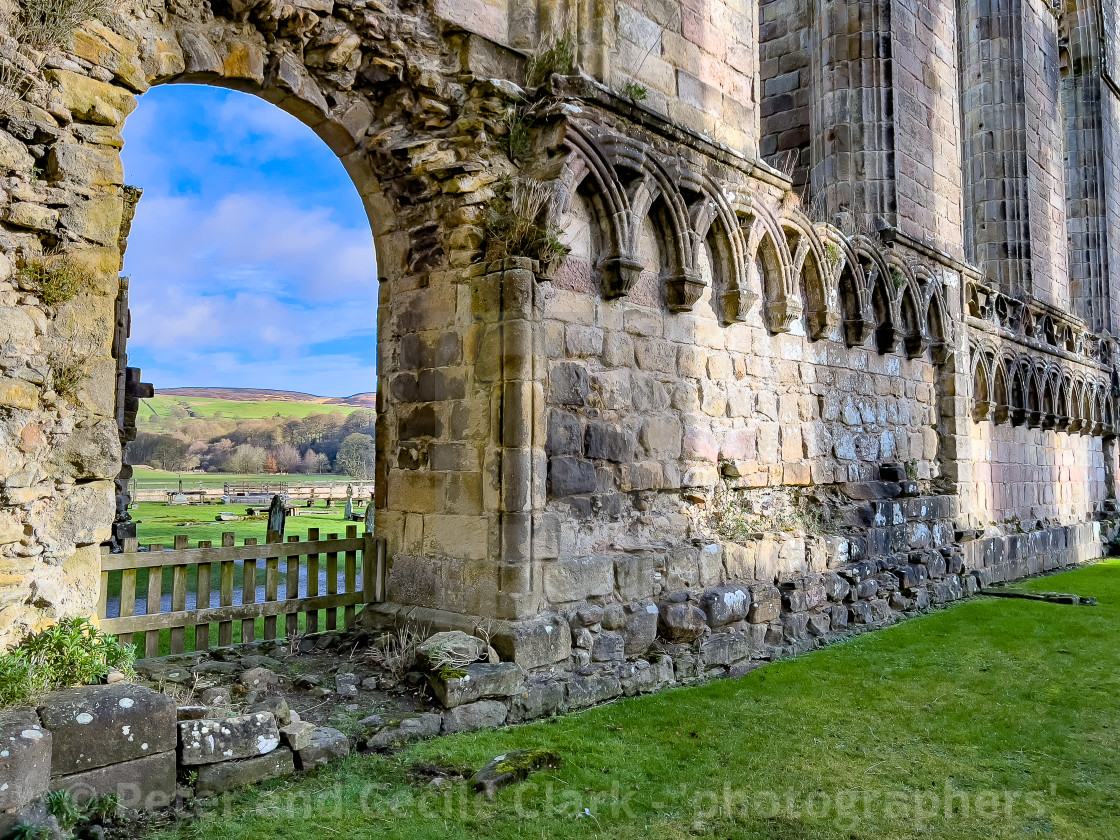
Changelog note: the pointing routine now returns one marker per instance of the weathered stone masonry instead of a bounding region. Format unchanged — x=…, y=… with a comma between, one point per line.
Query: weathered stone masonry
x=751, y=407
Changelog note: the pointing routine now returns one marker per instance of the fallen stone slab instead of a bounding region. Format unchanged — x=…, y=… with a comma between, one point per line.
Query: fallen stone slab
x=243, y=736
x=326, y=745
x=477, y=682
x=426, y=725
x=25, y=759
x=143, y=784
x=1049, y=597
x=94, y=726
x=482, y=714
x=231, y=775
x=512, y=767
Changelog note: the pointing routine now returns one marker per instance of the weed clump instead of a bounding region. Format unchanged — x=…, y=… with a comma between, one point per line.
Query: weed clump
x=54, y=278
x=557, y=56
x=73, y=652
x=516, y=224
x=39, y=28
x=635, y=92
x=67, y=375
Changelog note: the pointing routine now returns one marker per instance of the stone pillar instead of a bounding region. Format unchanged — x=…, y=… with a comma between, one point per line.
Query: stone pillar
x=519, y=405
x=1011, y=126
x=1082, y=93
x=853, y=115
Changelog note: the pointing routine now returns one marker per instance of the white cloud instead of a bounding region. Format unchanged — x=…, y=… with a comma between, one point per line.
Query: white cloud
x=250, y=247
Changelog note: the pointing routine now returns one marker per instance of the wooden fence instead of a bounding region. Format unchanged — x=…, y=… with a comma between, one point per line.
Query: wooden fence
x=316, y=575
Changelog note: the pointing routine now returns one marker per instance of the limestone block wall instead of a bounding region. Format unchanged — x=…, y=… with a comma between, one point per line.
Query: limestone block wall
x=1023, y=477
x=927, y=123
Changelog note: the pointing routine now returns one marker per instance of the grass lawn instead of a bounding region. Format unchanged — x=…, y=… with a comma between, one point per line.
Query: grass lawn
x=160, y=523
x=996, y=718
x=147, y=477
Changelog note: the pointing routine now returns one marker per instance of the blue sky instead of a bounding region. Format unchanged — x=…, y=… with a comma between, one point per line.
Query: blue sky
x=251, y=258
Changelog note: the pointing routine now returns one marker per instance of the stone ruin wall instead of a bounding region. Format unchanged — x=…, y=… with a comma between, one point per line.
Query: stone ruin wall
x=876, y=350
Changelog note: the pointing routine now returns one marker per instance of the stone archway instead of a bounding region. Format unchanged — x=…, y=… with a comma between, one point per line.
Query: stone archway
x=387, y=92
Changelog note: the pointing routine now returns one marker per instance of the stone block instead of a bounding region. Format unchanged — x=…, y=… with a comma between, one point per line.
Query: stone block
x=726, y=604
x=482, y=714
x=214, y=779
x=608, y=646
x=534, y=642
x=726, y=648
x=577, y=578
x=143, y=784
x=569, y=384
x=93, y=726
x=565, y=435
x=481, y=680
x=640, y=630
x=570, y=476
x=421, y=727
x=242, y=736
x=587, y=690
x=766, y=604
x=25, y=759
x=297, y=736
x=681, y=622
x=326, y=745
x=540, y=698
x=609, y=442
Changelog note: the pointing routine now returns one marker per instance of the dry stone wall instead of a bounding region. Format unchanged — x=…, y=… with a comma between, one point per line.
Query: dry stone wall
x=739, y=379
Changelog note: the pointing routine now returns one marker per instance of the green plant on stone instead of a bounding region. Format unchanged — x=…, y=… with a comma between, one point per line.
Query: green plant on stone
x=73, y=652
x=555, y=56
x=912, y=469
x=54, y=278
x=27, y=831
x=515, y=221
x=67, y=374
x=515, y=142
x=833, y=255
x=60, y=805
x=103, y=808
x=897, y=277
x=635, y=92
x=16, y=681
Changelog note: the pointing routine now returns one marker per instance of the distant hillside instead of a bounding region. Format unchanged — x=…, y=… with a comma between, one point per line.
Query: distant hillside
x=363, y=400
x=175, y=405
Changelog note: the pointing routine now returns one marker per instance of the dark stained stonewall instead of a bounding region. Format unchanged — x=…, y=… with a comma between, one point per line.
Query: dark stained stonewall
x=143, y=784
x=230, y=775
x=25, y=758
x=244, y=736
x=570, y=476
x=106, y=724
x=569, y=384
x=610, y=442
x=564, y=434
x=512, y=767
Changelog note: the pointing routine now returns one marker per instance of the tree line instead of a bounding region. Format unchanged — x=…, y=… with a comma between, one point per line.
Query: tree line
x=316, y=444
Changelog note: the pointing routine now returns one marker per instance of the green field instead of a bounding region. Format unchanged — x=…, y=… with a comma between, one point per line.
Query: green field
x=207, y=408
x=148, y=478
x=991, y=720
x=160, y=523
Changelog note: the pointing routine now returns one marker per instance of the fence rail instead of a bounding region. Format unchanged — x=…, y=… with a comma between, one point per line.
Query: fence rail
x=321, y=579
